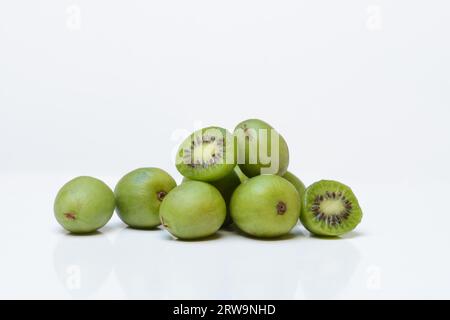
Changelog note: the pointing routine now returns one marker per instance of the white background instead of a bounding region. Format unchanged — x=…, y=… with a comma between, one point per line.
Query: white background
x=359, y=89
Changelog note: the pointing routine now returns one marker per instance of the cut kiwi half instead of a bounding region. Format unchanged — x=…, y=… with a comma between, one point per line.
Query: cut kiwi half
x=330, y=208
x=207, y=155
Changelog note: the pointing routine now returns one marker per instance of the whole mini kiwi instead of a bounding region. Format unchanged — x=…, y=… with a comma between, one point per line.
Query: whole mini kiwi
x=208, y=154
x=84, y=205
x=265, y=206
x=330, y=208
x=139, y=195
x=226, y=187
x=261, y=149
x=298, y=184
x=193, y=210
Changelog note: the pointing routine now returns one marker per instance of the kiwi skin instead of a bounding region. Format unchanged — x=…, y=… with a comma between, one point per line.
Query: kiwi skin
x=84, y=205
x=248, y=128
x=224, y=151
x=298, y=184
x=265, y=206
x=193, y=210
x=331, y=191
x=139, y=195
x=226, y=187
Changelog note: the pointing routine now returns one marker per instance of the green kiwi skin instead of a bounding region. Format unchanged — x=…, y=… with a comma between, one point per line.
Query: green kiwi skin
x=214, y=172
x=193, y=210
x=84, y=205
x=298, y=184
x=254, y=206
x=252, y=170
x=226, y=187
x=320, y=228
x=139, y=195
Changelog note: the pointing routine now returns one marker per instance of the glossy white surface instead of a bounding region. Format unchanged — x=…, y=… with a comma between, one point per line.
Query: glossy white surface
x=359, y=89
x=403, y=258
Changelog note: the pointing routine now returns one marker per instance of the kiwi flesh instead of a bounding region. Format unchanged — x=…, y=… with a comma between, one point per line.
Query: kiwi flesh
x=208, y=154
x=330, y=208
x=226, y=187
x=261, y=149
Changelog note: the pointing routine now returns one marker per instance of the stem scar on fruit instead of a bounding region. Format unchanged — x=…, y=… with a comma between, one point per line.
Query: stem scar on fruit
x=161, y=195
x=281, y=208
x=163, y=223
x=70, y=216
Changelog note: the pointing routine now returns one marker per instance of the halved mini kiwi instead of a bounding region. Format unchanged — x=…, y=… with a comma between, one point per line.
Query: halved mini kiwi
x=330, y=208
x=207, y=155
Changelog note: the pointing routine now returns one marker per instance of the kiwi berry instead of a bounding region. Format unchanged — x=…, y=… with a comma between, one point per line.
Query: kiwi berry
x=84, y=205
x=193, y=210
x=139, y=195
x=265, y=206
x=261, y=149
x=208, y=154
x=330, y=209
x=226, y=187
x=298, y=184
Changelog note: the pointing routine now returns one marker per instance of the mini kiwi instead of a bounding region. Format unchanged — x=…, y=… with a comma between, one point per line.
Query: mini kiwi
x=193, y=210
x=84, y=205
x=298, y=184
x=139, y=195
x=330, y=208
x=261, y=149
x=208, y=154
x=265, y=206
x=226, y=187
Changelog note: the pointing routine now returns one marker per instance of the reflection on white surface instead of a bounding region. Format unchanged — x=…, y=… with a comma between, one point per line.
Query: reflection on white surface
x=83, y=263
x=264, y=269
x=326, y=267
x=360, y=91
x=161, y=267
x=152, y=265
x=139, y=264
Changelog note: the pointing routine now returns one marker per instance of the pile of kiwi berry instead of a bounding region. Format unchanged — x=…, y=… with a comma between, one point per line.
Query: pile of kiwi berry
x=228, y=179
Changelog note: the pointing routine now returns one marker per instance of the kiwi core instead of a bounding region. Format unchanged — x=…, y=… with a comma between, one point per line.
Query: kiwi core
x=204, y=151
x=332, y=207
